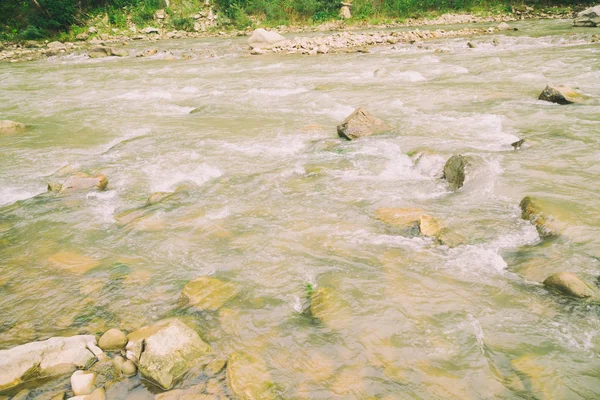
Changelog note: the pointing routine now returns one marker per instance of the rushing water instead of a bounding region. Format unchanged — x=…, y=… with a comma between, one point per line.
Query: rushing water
x=273, y=201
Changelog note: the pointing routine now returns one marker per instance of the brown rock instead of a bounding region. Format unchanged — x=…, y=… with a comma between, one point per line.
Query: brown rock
x=361, y=123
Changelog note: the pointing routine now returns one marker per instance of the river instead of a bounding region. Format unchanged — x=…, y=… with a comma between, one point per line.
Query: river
x=270, y=199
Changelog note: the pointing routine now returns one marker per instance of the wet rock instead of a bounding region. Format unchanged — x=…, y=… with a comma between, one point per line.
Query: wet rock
x=569, y=284
x=265, y=39
x=589, y=17
x=190, y=393
x=22, y=395
x=148, y=53
x=54, y=187
x=454, y=171
x=166, y=351
x=471, y=45
x=158, y=197
x=537, y=212
x=207, y=293
x=560, y=95
x=257, y=51
x=112, y=340
x=361, y=123
x=327, y=306
x=428, y=225
x=82, y=382
x=73, y=262
x=404, y=218
x=517, y=145
x=214, y=367
x=595, y=38
x=84, y=182
x=249, y=378
x=128, y=368
x=99, y=52
x=7, y=126
x=503, y=26
x=448, y=237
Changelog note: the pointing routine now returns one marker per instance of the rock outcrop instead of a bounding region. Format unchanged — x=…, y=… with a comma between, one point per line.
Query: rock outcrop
x=37, y=360
x=206, y=293
x=454, y=171
x=361, y=123
x=264, y=39
x=569, y=284
x=588, y=18
x=249, y=378
x=7, y=126
x=165, y=351
x=560, y=95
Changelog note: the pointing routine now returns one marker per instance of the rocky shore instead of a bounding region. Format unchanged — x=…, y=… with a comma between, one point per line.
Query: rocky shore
x=105, y=42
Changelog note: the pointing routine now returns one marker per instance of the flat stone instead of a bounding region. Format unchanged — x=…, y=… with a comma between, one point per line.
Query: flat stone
x=405, y=218
x=7, y=126
x=73, y=262
x=48, y=358
x=206, y=293
x=83, y=181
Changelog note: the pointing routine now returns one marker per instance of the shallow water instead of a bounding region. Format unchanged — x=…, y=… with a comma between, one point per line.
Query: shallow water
x=273, y=201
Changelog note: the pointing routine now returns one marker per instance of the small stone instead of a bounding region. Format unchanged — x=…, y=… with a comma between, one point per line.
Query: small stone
x=54, y=187
x=503, y=26
x=569, y=284
x=471, y=45
x=118, y=362
x=82, y=382
x=112, y=340
x=128, y=368
x=595, y=38
x=517, y=145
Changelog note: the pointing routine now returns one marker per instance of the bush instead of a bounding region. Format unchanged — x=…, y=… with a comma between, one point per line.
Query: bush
x=182, y=23
x=54, y=15
x=33, y=33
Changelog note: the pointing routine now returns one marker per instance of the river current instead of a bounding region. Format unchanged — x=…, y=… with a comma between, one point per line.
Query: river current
x=271, y=200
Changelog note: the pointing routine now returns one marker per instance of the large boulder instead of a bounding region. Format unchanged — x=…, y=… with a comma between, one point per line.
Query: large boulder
x=361, y=123
x=48, y=358
x=83, y=181
x=589, y=17
x=569, y=284
x=206, y=293
x=537, y=211
x=249, y=378
x=7, y=126
x=454, y=171
x=166, y=351
x=559, y=95
x=264, y=39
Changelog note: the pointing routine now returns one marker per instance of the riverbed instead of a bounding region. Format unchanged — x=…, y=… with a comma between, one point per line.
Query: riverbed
x=270, y=199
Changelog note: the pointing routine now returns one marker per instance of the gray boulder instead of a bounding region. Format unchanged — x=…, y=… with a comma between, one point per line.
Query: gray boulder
x=166, y=351
x=264, y=39
x=361, y=123
x=569, y=284
x=454, y=171
x=48, y=358
x=559, y=95
x=588, y=18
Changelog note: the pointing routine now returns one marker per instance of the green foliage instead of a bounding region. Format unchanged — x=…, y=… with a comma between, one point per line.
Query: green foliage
x=182, y=23
x=33, y=33
x=309, y=289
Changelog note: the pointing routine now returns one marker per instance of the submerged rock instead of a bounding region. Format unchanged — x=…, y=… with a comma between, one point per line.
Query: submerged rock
x=157, y=197
x=327, y=306
x=166, y=351
x=569, y=284
x=7, y=126
x=73, y=262
x=404, y=218
x=53, y=357
x=264, y=39
x=112, y=339
x=454, y=171
x=588, y=18
x=84, y=181
x=82, y=382
x=207, y=293
x=560, y=95
x=536, y=211
x=428, y=225
x=361, y=123
x=249, y=378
